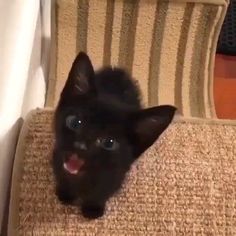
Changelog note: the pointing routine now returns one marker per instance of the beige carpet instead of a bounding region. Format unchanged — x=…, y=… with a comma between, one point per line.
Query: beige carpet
x=184, y=185
x=168, y=46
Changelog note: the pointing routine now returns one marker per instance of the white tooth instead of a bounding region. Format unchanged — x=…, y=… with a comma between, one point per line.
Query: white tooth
x=73, y=172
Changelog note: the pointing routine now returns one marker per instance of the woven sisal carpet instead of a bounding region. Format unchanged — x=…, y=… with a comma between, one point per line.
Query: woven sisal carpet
x=184, y=185
x=168, y=46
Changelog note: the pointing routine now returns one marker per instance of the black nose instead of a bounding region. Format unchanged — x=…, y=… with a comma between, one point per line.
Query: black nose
x=80, y=145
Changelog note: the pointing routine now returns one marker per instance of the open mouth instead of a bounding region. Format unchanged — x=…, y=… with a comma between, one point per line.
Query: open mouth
x=73, y=164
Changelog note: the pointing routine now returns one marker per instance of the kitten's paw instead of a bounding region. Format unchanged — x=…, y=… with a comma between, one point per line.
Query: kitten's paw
x=92, y=211
x=64, y=197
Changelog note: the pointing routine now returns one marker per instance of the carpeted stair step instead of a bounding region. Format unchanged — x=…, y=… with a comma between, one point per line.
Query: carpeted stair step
x=183, y=185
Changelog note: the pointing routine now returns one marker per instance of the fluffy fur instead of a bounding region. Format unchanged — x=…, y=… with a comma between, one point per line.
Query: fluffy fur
x=100, y=124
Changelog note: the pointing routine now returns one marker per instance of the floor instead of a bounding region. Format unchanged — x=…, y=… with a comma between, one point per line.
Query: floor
x=225, y=86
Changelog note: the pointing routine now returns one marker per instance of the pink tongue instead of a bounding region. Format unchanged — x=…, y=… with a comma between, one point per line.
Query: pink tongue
x=73, y=164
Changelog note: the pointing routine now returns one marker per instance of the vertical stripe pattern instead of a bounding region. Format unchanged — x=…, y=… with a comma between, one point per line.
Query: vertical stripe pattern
x=180, y=55
x=96, y=31
x=196, y=93
x=197, y=85
x=155, y=53
x=169, y=51
x=50, y=96
x=127, y=36
x=167, y=46
x=213, y=11
x=209, y=96
x=142, y=46
x=82, y=25
x=108, y=32
x=66, y=42
x=116, y=32
x=188, y=59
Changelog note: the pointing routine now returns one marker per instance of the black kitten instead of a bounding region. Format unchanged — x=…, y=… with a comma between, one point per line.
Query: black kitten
x=101, y=130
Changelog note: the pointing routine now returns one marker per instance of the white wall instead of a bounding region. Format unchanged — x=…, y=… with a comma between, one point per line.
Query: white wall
x=20, y=74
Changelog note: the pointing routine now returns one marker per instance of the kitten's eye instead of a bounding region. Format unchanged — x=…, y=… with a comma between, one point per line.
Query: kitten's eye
x=109, y=144
x=73, y=122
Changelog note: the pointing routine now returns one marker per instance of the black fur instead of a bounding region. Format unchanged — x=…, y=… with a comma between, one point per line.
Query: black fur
x=110, y=133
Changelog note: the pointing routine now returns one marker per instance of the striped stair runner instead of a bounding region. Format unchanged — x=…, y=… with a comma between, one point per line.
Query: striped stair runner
x=168, y=46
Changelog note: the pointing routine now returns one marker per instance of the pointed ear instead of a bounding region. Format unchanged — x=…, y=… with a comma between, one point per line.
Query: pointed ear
x=80, y=78
x=148, y=125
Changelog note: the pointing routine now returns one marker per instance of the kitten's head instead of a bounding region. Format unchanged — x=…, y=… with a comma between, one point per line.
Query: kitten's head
x=95, y=134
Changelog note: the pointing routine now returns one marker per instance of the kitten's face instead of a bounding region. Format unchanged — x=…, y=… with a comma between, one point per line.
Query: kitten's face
x=97, y=136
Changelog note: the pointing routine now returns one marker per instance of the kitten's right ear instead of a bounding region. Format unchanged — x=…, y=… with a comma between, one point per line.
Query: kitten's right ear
x=148, y=124
x=80, y=78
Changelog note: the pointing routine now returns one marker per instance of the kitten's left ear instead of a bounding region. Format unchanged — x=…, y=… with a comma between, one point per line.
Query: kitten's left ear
x=80, y=78
x=148, y=124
